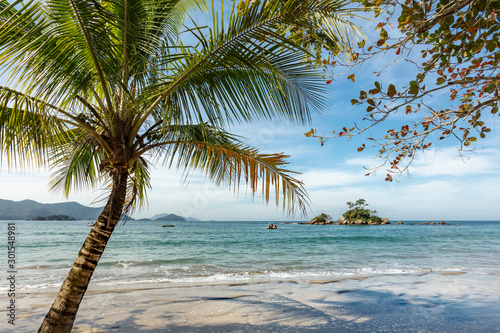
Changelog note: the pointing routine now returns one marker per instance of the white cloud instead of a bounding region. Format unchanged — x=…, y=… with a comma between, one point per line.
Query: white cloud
x=331, y=178
x=448, y=162
x=443, y=162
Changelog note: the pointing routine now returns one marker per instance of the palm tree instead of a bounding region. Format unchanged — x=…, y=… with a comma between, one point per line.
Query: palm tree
x=100, y=89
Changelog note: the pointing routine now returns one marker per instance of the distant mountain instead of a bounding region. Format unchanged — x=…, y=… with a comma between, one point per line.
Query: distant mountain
x=158, y=216
x=29, y=209
x=170, y=217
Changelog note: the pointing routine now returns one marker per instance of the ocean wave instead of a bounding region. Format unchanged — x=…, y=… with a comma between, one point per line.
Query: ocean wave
x=251, y=276
x=30, y=267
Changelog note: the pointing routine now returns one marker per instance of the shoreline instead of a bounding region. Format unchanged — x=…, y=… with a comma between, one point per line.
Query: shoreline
x=448, y=301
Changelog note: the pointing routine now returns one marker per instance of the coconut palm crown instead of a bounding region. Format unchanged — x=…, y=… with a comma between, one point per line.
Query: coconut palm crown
x=98, y=90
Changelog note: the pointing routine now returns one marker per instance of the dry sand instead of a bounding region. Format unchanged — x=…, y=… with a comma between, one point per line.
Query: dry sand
x=433, y=302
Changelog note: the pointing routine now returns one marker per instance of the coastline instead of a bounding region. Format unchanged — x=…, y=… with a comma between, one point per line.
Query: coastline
x=451, y=301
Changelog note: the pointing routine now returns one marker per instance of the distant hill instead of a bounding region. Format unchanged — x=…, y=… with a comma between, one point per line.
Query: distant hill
x=171, y=217
x=157, y=217
x=29, y=209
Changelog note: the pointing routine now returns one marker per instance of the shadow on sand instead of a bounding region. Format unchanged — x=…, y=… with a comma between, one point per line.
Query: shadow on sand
x=358, y=310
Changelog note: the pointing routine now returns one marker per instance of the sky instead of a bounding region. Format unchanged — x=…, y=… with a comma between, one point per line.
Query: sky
x=442, y=185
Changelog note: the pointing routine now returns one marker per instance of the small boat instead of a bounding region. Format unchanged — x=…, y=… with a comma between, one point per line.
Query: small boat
x=168, y=225
x=271, y=225
x=90, y=224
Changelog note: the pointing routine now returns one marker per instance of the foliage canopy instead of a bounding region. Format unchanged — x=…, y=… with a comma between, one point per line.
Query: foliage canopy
x=455, y=93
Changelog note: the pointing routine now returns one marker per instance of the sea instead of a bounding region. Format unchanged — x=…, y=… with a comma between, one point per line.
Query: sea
x=235, y=251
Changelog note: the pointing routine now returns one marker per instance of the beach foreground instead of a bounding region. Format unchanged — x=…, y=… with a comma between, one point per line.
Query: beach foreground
x=424, y=302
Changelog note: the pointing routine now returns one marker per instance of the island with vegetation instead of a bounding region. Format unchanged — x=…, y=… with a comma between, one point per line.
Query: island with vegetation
x=357, y=214
x=54, y=218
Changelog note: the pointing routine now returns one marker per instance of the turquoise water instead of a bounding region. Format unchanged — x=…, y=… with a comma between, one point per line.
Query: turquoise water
x=140, y=252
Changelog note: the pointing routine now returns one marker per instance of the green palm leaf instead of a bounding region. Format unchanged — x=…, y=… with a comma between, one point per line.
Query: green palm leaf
x=28, y=130
x=78, y=166
x=249, y=61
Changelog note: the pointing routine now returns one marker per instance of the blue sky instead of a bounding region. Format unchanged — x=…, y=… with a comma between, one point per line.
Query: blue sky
x=442, y=185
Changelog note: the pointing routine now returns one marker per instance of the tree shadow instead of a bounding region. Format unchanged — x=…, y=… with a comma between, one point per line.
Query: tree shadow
x=358, y=310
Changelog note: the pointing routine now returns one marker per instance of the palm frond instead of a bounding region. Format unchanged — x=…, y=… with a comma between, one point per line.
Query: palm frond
x=230, y=164
x=138, y=184
x=78, y=166
x=227, y=161
x=28, y=132
x=249, y=68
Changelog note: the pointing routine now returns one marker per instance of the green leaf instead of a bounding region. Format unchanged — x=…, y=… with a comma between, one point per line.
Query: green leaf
x=413, y=88
x=391, y=91
x=440, y=81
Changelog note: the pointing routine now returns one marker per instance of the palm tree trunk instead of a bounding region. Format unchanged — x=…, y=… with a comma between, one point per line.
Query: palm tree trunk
x=61, y=315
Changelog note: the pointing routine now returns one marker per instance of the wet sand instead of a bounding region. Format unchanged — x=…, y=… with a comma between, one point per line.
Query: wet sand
x=426, y=302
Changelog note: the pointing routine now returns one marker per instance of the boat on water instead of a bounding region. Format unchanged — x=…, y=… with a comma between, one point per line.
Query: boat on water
x=90, y=224
x=168, y=225
x=271, y=225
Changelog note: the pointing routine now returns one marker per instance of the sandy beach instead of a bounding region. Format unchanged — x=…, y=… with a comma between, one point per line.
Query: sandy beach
x=425, y=302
